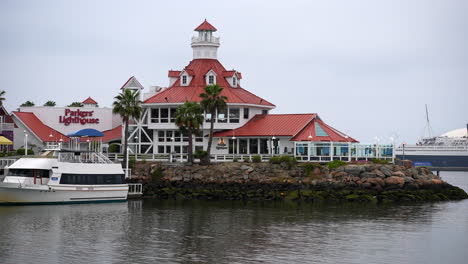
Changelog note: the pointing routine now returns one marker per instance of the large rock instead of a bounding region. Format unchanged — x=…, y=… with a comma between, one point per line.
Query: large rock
x=368, y=175
x=376, y=181
x=355, y=170
x=245, y=167
x=379, y=173
x=398, y=173
x=394, y=180
x=386, y=170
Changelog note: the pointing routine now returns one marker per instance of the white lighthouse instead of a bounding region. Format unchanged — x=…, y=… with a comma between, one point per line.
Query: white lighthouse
x=205, y=45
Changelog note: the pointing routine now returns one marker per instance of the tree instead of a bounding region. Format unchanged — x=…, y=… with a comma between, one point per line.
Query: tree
x=189, y=119
x=27, y=104
x=212, y=101
x=50, y=103
x=128, y=105
x=75, y=104
x=2, y=98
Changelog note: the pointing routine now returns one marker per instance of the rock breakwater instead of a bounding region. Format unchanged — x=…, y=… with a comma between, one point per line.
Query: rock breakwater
x=376, y=183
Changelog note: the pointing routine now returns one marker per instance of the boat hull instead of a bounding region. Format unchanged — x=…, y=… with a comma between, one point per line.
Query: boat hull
x=43, y=194
x=458, y=161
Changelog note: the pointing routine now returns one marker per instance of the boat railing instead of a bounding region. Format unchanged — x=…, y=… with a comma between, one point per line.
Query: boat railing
x=135, y=189
x=426, y=148
x=83, y=157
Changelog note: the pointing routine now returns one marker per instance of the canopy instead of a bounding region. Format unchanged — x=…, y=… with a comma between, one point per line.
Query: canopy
x=87, y=132
x=5, y=141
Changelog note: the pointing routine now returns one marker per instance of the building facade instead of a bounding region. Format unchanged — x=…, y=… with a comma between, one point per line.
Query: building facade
x=244, y=127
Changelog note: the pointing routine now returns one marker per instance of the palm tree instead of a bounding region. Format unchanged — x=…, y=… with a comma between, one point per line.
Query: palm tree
x=189, y=118
x=2, y=98
x=212, y=101
x=75, y=104
x=128, y=105
x=27, y=104
x=50, y=103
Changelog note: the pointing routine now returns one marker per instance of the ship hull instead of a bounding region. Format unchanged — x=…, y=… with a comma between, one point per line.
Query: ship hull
x=459, y=161
x=15, y=194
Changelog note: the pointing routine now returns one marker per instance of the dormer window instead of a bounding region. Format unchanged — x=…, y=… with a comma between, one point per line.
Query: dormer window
x=234, y=81
x=184, y=79
x=211, y=79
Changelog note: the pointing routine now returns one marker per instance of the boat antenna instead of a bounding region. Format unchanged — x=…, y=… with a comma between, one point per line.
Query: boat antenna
x=428, y=124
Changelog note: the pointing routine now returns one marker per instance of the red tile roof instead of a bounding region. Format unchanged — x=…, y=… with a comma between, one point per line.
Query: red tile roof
x=199, y=67
x=112, y=134
x=270, y=125
x=297, y=126
x=205, y=26
x=39, y=129
x=89, y=100
x=173, y=73
x=333, y=134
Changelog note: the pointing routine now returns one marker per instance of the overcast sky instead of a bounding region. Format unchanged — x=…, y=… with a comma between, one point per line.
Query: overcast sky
x=366, y=67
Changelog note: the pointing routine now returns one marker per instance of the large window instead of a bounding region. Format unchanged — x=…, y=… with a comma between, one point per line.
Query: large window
x=232, y=146
x=234, y=115
x=92, y=179
x=28, y=173
x=242, y=146
x=253, y=146
x=184, y=79
x=164, y=115
x=222, y=116
x=173, y=115
x=263, y=146
x=155, y=115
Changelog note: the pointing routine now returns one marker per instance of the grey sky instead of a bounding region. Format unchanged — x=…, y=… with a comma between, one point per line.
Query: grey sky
x=366, y=67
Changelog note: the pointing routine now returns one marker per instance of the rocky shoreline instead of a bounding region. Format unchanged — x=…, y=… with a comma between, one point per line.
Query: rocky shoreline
x=374, y=183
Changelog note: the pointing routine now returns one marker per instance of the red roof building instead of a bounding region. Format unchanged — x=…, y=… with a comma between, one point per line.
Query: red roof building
x=89, y=100
x=41, y=131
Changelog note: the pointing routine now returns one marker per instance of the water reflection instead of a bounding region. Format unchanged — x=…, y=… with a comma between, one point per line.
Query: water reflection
x=147, y=231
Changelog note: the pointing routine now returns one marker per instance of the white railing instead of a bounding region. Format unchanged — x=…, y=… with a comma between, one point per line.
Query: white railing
x=6, y=162
x=435, y=148
x=7, y=126
x=83, y=157
x=135, y=189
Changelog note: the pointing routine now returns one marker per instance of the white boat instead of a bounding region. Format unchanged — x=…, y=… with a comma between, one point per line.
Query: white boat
x=66, y=177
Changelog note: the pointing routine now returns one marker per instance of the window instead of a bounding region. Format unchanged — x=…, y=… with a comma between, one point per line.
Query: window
x=184, y=79
x=28, y=173
x=198, y=148
x=185, y=137
x=208, y=117
x=92, y=179
x=263, y=146
x=234, y=81
x=161, y=149
x=168, y=149
x=211, y=79
x=242, y=146
x=173, y=114
x=164, y=115
x=177, y=149
x=253, y=146
x=222, y=116
x=177, y=136
x=264, y=112
x=246, y=113
x=155, y=115
x=161, y=136
x=234, y=114
x=232, y=146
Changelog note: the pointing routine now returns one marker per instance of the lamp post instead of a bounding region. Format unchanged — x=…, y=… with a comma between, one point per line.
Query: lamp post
x=273, y=145
x=404, y=143
x=26, y=143
x=126, y=165
x=172, y=147
x=136, y=147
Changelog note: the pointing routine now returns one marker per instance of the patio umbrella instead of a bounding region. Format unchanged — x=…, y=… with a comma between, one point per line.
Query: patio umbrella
x=5, y=141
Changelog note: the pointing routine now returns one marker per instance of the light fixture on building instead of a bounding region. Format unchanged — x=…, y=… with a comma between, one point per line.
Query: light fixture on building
x=310, y=137
x=273, y=138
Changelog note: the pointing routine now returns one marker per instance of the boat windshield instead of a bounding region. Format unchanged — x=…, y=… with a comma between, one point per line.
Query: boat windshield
x=28, y=173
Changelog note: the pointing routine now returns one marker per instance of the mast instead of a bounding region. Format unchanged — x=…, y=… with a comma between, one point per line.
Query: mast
x=428, y=124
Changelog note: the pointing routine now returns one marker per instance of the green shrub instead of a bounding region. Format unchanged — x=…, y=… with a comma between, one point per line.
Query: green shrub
x=246, y=159
x=131, y=162
x=335, y=164
x=309, y=168
x=21, y=152
x=157, y=175
x=288, y=160
x=114, y=148
x=235, y=160
x=380, y=161
x=200, y=154
x=256, y=159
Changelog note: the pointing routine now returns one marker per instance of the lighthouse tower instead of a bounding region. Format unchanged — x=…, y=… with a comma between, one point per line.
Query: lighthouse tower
x=205, y=45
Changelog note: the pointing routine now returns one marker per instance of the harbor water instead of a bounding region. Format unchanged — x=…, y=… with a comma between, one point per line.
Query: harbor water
x=152, y=231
